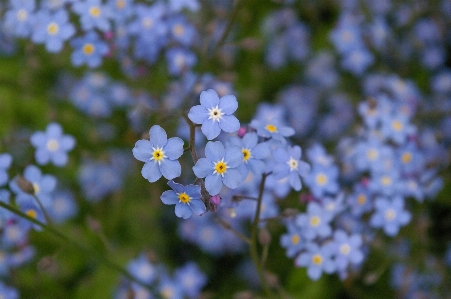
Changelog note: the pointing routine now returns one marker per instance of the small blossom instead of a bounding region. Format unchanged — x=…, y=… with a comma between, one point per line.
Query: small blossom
x=186, y=199
x=159, y=154
x=215, y=114
x=52, y=145
x=390, y=215
x=289, y=165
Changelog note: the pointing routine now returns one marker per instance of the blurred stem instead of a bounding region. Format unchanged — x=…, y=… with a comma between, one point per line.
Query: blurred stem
x=254, y=241
x=89, y=252
x=227, y=226
x=46, y=215
x=236, y=6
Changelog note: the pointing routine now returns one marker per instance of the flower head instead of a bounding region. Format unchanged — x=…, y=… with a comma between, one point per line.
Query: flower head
x=186, y=199
x=215, y=114
x=219, y=167
x=289, y=165
x=52, y=145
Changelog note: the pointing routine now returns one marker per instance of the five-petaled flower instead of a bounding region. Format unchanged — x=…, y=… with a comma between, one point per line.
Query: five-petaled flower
x=160, y=155
x=186, y=199
x=219, y=167
x=289, y=165
x=215, y=114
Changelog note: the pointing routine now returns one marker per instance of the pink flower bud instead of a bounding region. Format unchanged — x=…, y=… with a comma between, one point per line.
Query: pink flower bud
x=241, y=132
x=215, y=199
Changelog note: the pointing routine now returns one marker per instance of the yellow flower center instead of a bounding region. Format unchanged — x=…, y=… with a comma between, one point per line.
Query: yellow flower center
x=390, y=214
x=220, y=167
x=167, y=292
x=120, y=4
x=95, y=11
x=246, y=154
x=386, y=181
x=158, y=154
x=88, y=49
x=295, y=239
x=52, y=145
x=372, y=154
x=183, y=197
x=406, y=157
x=53, y=28
x=32, y=213
x=147, y=22
x=178, y=30
x=315, y=221
x=271, y=128
x=321, y=179
x=361, y=199
x=317, y=259
x=396, y=125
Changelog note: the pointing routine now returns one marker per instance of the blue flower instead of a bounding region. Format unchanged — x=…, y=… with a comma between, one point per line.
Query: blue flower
x=317, y=259
x=19, y=19
x=348, y=249
x=293, y=241
x=5, y=163
x=253, y=153
x=159, y=154
x=219, y=167
x=390, y=215
x=52, y=145
x=185, y=198
x=272, y=128
x=8, y=292
x=316, y=222
x=289, y=165
x=180, y=60
x=215, y=114
x=27, y=205
x=93, y=14
x=64, y=206
x=52, y=29
x=88, y=49
x=142, y=269
x=191, y=279
x=323, y=180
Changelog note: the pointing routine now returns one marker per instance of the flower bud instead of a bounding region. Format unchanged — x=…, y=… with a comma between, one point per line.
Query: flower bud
x=215, y=199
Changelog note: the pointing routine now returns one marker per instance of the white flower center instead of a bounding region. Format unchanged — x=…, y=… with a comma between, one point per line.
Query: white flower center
x=215, y=114
x=293, y=164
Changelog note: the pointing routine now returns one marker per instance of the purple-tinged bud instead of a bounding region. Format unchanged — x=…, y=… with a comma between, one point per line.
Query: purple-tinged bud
x=306, y=198
x=241, y=132
x=215, y=199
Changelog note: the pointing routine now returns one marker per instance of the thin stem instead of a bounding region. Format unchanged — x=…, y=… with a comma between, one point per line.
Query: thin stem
x=46, y=215
x=229, y=25
x=241, y=197
x=89, y=252
x=254, y=240
x=227, y=226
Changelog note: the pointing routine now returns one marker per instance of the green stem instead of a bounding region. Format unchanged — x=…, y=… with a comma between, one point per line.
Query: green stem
x=254, y=241
x=229, y=25
x=91, y=253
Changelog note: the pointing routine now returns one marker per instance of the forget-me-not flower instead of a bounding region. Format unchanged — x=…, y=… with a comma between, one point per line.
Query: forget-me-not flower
x=52, y=29
x=88, y=49
x=186, y=199
x=316, y=222
x=159, y=154
x=215, y=114
x=390, y=215
x=253, y=153
x=52, y=145
x=93, y=14
x=219, y=167
x=289, y=165
x=317, y=259
x=348, y=249
x=191, y=279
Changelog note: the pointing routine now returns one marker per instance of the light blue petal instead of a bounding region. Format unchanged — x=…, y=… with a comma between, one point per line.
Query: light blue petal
x=234, y=140
x=42, y=156
x=233, y=156
x=198, y=114
x=250, y=139
x=210, y=129
x=59, y=158
x=228, y=104
x=38, y=139
x=151, y=171
x=213, y=184
x=209, y=98
x=203, y=168
x=178, y=188
x=281, y=171
x=286, y=131
x=214, y=151
x=280, y=155
x=295, y=181
x=170, y=169
x=198, y=206
x=257, y=167
x=67, y=142
x=303, y=168
x=158, y=136
x=229, y=124
x=174, y=148
x=182, y=210
x=142, y=150
x=261, y=151
x=169, y=197
x=314, y=272
x=232, y=178
x=295, y=152
x=193, y=191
